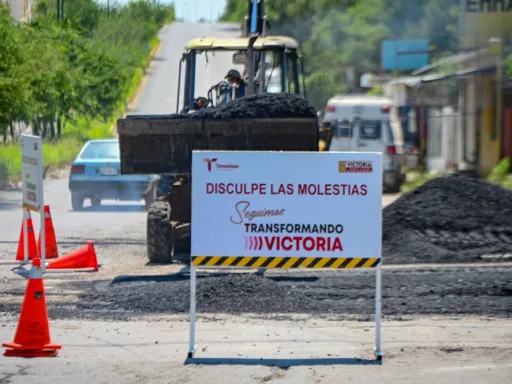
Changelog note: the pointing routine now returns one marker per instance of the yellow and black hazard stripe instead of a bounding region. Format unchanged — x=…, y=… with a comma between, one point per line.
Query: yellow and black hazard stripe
x=284, y=262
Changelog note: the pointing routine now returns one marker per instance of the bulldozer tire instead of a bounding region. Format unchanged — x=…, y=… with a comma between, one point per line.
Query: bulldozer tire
x=159, y=230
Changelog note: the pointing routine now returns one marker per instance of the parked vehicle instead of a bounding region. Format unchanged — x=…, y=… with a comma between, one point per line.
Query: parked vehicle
x=95, y=175
x=368, y=124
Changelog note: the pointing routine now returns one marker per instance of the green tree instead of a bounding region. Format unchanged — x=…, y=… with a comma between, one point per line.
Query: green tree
x=81, y=67
x=14, y=82
x=321, y=86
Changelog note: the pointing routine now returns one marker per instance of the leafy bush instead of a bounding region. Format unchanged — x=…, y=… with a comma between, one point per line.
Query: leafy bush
x=415, y=179
x=502, y=173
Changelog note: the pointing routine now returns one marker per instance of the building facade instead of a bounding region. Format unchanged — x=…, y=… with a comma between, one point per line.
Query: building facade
x=20, y=9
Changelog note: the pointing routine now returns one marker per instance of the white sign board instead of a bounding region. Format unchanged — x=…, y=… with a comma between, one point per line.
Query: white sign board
x=287, y=204
x=286, y=210
x=32, y=172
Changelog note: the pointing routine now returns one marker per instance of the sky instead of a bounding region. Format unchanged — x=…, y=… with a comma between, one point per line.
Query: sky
x=191, y=10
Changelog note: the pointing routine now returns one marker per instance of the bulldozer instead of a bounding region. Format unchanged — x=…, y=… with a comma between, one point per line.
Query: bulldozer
x=163, y=144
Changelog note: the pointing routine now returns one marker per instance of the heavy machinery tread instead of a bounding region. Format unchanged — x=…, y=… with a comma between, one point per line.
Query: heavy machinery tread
x=159, y=230
x=506, y=238
x=471, y=240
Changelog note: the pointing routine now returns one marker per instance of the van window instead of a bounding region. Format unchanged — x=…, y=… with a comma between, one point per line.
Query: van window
x=345, y=130
x=370, y=129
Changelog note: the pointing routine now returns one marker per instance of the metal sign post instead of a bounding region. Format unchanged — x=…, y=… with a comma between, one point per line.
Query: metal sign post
x=25, y=236
x=32, y=187
x=286, y=210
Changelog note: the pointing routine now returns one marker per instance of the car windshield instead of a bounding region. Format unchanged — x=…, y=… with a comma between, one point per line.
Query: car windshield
x=101, y=150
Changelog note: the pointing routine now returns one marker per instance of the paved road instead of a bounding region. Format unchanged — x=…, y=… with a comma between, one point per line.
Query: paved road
x=160, y=92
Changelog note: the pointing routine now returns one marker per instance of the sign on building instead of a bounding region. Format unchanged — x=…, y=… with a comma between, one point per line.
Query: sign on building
x=484, y=19
x=404, y=55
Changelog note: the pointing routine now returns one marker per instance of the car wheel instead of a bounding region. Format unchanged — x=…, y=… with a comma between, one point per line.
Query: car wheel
x=395, y=188
x=95, y=202
x=77, y=202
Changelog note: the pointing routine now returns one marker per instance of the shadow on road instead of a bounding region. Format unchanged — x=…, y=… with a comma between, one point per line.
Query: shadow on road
x=112, y=208
x=309, y=279
x=149, y=278
x=184, y=274
x=281, y=363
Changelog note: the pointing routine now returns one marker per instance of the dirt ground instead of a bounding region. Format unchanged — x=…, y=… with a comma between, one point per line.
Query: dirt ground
x=233, y=350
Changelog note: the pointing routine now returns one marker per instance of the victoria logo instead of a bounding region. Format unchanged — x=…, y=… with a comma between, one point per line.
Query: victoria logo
x=355, y=167
x=209, y=163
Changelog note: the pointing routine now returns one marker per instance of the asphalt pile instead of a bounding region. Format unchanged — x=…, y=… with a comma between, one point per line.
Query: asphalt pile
x=339, y=294
x=280, y=105
x=448, y=219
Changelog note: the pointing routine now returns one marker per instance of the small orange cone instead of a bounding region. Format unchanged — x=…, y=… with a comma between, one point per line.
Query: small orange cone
x=84, y=257
x=50, y=243
x=32, y=246
x=32, y=337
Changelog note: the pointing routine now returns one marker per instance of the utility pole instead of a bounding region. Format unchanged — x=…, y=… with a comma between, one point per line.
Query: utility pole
x=60, y=10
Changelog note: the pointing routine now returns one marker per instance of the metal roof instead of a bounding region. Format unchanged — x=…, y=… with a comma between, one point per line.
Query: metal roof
x=414, y=81
x=456, y=59
x=268, y=42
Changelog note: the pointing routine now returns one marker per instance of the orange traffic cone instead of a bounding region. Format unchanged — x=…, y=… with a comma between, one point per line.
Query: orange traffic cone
x=84, y=257
x=50, y=241
x=32, y=337
x=32, y=246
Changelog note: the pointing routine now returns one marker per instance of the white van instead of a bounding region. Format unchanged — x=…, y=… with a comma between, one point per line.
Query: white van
x=364, y=123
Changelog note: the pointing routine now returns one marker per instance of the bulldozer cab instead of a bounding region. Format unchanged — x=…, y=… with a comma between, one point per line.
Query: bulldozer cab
x=275, y=67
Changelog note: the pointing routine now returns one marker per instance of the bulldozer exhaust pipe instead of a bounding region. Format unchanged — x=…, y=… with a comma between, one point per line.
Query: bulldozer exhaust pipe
x=250, y=66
